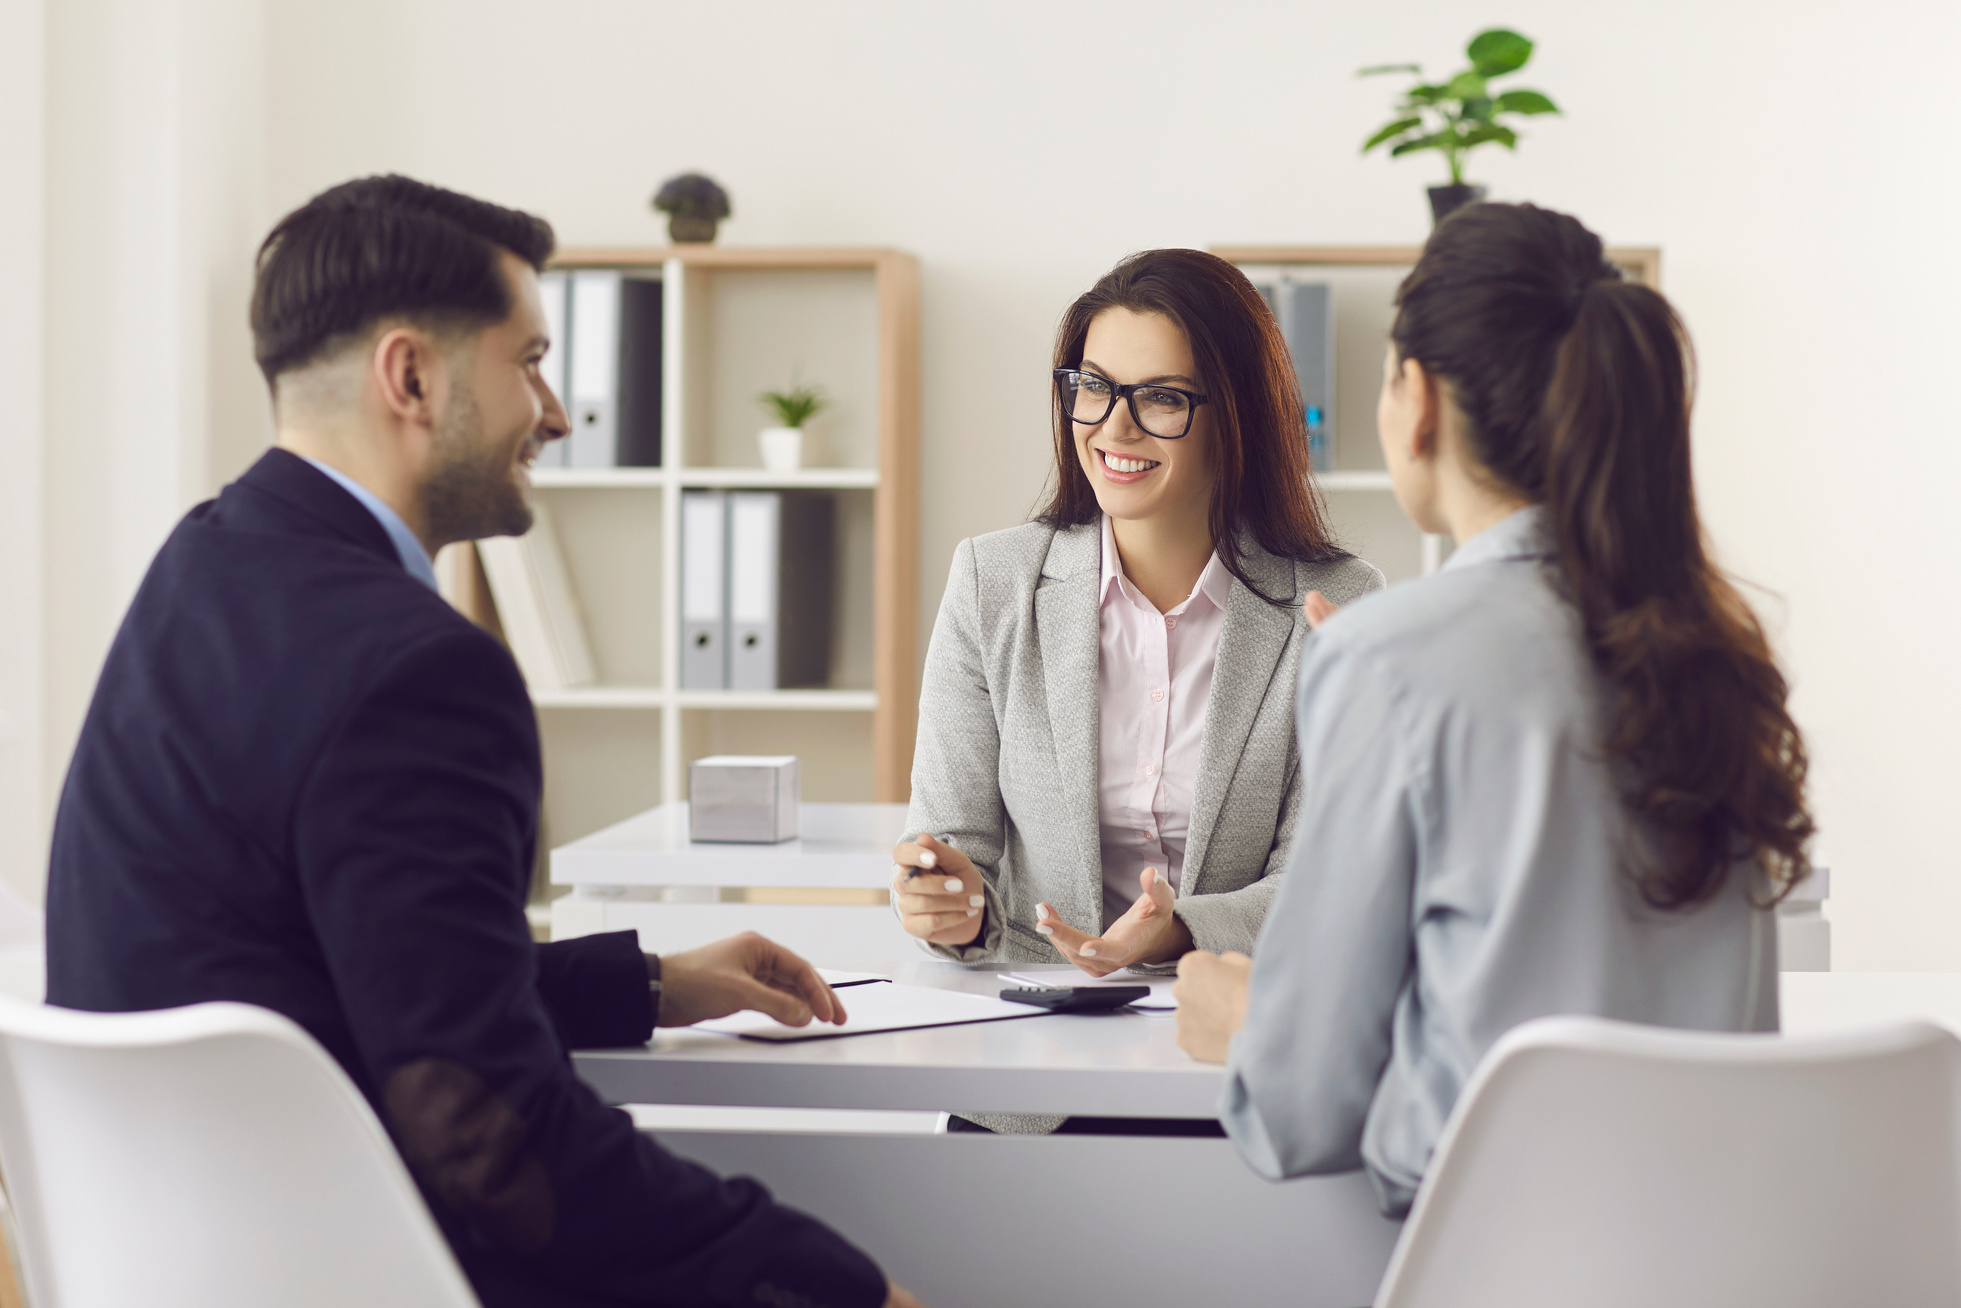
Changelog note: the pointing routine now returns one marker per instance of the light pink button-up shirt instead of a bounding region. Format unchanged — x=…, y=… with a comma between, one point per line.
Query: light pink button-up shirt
x=1153, y=681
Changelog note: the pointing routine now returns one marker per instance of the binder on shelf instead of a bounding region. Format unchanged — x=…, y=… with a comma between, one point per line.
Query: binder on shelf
x=555, y=290
x=1305, y=312
x=537, y=607
x=704, y=625
x=780, y=568
x=613, y=371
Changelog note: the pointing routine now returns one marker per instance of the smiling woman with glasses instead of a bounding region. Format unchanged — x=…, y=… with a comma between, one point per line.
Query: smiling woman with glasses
x=1106, y=772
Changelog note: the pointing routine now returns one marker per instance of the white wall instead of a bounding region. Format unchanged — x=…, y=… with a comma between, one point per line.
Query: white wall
x=1782, y=156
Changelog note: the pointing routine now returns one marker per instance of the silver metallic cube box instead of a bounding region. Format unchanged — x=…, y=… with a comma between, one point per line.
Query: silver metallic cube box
x=743, y=798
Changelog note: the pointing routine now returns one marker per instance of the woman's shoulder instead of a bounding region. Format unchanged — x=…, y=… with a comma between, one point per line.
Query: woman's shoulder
x=1342, y=581
x=1027, y=549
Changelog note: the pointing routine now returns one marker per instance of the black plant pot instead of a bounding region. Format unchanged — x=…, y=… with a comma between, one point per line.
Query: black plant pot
x=690, y=230
x=1446, y=200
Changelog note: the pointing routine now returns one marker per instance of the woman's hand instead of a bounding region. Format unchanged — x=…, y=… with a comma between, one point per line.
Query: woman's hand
x=1211, y=994
x=1318, y=608
x=745, y=971
x=938, y=891
x=1148, y=932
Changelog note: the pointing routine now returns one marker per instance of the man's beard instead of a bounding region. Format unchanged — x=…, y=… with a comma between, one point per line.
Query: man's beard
x=471, y=493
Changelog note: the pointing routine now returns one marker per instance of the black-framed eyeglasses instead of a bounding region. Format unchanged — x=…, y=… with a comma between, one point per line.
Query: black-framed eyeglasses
x=1163, y=411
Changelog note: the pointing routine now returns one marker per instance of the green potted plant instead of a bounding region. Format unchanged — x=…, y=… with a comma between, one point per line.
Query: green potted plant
x=694, y=204
x=787, y=446
x=1461, y=113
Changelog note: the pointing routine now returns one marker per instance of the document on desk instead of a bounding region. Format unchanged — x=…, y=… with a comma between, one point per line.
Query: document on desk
x=879, y=1008
x=1161, y=999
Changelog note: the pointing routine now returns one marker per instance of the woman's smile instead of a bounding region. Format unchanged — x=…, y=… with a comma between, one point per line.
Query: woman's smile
x=1125, y=469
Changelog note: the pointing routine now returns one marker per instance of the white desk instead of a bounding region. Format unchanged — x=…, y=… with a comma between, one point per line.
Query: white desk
x=822, y=894
x=1002, y=1220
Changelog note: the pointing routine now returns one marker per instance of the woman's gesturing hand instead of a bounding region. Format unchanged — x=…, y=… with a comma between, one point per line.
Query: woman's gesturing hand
x=1148, y=932
x=938, y=891
x=1318, y=608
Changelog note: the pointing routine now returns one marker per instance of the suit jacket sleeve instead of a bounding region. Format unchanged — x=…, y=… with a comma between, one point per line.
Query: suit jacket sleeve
x=959, y=741
x=1234, y=919
x=596, y=990
x=413, y=836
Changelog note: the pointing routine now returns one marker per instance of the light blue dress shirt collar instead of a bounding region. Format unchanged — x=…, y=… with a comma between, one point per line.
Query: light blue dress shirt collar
x=415, y=559
x=1523, y=535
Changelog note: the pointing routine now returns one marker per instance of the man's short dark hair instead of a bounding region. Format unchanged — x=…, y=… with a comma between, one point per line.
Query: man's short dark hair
x=379, y=248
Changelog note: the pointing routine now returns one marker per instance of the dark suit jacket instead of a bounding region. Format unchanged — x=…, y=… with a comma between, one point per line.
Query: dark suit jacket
x=307, y=783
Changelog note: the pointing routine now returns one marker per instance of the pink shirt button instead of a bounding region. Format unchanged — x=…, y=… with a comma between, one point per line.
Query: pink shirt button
x=1171, y=624
x=1157, y=695
x=1150, y=769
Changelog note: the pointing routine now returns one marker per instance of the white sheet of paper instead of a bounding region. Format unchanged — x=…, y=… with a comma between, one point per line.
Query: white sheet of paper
x=878, y=1008
x=1161, y=997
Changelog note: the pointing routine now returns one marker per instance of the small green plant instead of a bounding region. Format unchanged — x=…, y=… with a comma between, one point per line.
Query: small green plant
x=796, y=406
x=1456, y=116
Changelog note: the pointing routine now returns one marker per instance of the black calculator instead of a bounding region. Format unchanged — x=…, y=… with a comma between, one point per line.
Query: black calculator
x=1077, y=999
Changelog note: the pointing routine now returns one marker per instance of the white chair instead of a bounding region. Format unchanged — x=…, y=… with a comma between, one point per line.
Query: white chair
x=208, y=1157
x=1607, y=1165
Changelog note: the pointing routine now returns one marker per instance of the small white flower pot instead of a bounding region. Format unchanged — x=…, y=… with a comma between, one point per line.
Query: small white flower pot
x=786, y=449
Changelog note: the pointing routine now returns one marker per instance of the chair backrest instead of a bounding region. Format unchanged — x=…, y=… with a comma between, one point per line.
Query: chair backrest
x=1599, y=1163
x=211, y=1156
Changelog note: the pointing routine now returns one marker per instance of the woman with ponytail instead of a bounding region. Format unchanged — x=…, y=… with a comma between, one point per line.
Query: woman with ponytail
x=1558, y=776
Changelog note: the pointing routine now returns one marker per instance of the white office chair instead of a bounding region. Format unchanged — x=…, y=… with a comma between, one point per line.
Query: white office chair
x=1598, y=1163
x=208, y=1157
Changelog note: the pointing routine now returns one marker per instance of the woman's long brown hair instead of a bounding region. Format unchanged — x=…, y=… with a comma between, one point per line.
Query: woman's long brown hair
x=1259, y=447
x=1577, y=388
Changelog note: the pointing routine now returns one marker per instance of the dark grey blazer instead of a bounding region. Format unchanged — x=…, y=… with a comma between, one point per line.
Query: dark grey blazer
x=1006, y=760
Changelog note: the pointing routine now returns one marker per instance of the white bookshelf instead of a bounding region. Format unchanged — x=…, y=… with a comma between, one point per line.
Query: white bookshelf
x=1361, y=499
x=735, y=322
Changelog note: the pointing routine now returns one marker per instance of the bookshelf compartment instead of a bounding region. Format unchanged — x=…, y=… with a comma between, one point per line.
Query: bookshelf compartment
x=612, y=548
x=766, y=330
x=599, y=768
x=834, y=750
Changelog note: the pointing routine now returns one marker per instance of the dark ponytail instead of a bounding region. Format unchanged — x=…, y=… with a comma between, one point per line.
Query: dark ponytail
x=1577, y=387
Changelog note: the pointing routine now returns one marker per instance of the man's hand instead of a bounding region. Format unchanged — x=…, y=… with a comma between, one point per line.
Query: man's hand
x=896, y=1296
x=938, y=891
x=1148, y=932
x=745, y=971
x=1211, y=994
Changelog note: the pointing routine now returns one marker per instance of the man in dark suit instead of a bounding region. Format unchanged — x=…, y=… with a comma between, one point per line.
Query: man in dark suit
x=306, y=782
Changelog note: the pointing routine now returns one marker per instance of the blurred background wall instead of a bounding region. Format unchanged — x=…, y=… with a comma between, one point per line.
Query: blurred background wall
x=1781, y=156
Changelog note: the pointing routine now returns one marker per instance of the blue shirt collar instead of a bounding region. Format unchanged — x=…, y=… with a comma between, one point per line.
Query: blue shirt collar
x=1521, y=535
x=415, y=559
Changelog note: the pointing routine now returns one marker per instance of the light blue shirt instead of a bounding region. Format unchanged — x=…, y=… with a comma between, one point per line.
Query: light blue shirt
x=414, y=558
x=1457, y=870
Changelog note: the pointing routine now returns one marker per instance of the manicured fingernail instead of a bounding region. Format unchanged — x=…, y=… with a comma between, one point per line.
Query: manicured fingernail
x=927, y=858
x=954, y=887
x=973, y=912
x=1046, y=930
x=1041, y=910
x=977, y=900
x=1088, y=951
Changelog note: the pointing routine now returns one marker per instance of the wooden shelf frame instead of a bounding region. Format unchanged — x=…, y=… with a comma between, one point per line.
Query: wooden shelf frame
x=893, y=484
x=1644, y=261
